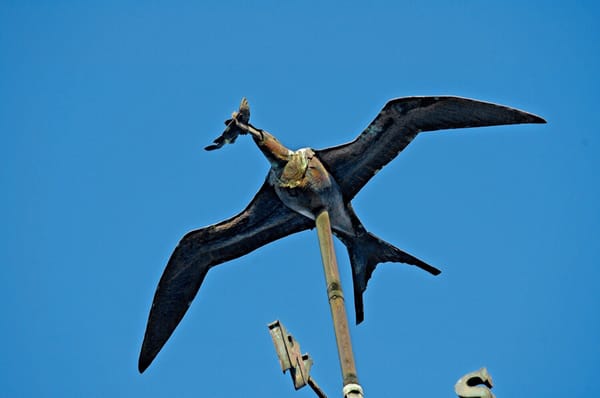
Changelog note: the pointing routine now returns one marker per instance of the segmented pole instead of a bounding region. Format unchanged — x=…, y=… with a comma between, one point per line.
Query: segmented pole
x=338, y=311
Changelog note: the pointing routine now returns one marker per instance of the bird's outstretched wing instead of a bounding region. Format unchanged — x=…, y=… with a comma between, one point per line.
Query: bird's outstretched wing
x=264, y=220
x=353, y=164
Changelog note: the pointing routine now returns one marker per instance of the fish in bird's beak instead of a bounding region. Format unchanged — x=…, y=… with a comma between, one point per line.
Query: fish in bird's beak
x=232, y=130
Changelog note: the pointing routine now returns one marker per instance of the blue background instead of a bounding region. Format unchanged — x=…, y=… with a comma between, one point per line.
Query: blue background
x=105, y=108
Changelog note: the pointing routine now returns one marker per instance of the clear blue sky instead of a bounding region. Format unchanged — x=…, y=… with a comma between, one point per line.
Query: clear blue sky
x=105, y=108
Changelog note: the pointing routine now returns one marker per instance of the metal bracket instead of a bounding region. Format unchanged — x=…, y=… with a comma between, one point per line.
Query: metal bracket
x=291, y=358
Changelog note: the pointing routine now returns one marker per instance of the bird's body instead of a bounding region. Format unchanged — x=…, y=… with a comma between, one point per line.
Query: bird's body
x=303, y=184
x=299, y=185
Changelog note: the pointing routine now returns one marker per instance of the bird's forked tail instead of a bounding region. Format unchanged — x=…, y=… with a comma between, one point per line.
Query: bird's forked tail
x=366, y=251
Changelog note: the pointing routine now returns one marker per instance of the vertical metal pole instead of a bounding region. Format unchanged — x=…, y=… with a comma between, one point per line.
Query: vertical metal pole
x=338, y=311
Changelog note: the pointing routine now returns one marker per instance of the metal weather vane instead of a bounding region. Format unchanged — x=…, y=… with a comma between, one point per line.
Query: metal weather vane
x=308, y=188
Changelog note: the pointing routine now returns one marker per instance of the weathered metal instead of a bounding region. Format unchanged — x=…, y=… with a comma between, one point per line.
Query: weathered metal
x=304, y=184
x=317, y=179
x=291, y=358
x=335, y=296
x=476, y=384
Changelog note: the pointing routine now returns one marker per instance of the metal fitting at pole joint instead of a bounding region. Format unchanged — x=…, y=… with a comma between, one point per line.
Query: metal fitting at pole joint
x=334, y=291
x=352, y=391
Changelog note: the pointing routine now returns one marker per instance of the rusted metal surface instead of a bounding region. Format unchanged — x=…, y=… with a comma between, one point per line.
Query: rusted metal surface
x=475, y=385
x=336, y=302
x=291, y=358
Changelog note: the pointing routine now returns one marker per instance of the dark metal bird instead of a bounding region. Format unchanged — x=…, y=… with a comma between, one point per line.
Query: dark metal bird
x=232, y=130
x=298, y=186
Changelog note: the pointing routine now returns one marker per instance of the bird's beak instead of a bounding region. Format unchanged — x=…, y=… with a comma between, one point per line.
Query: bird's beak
x=276, y=153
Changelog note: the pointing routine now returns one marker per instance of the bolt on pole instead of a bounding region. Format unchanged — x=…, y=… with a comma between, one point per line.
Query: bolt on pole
x=335, y=294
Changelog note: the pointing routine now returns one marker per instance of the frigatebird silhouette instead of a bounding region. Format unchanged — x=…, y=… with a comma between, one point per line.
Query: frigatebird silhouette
x=298, y=186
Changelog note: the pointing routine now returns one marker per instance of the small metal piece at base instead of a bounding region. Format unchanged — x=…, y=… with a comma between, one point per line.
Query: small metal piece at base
x=469, y=386
x=352, y=391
